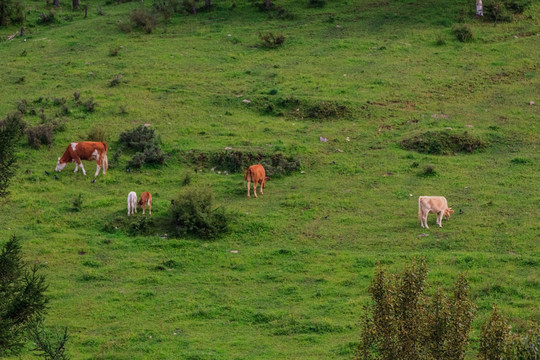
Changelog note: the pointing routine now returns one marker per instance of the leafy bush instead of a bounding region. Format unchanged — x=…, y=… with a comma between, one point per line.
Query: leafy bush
x=116, y=80
x=495, y=341
x=143, y=140
x=428, y=171
x=11, y=130
x=11, y=12
x=96, y=134
x=404, y=323
x=463, y=32
x=138, y=138
x=140, y=226
x=496, y=11
x=193, y=212
x=89, y=105
x=45, y=19
x=144, y=19
x=236, y=161
x=271, y=41
x=301, y=109
x=316, y=3
x=443, y=142
x=22, y=297
x=40, y=135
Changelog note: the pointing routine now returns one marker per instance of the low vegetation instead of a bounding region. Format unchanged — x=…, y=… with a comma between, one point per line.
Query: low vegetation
x=362, y=108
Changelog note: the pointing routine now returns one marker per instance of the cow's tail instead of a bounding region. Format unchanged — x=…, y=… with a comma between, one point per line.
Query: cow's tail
x=248, y=176
x=105, y=159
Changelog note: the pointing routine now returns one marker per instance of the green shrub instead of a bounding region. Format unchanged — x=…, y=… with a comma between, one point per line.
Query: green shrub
x=45, y=19
x=495, y=340
x=96, y=134
x=496, y=11
x=144, y=19
x=316, y=3
x=138, y=138
x=11, y=130
x=271, y=41
x=463, y=32
x=11, y=12
x=403, y=322
x=22, y=297
x=193, y=212
x=89, y=105
x=443, y=142
x=40, y=135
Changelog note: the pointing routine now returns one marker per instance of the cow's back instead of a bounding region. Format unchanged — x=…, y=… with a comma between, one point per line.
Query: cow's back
x=254, y=173
x=437, y=203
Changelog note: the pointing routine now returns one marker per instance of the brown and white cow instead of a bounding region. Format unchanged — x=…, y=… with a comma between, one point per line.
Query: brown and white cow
x=255, y=174
x=433, y=204
x=85, y=150
x=146, y=199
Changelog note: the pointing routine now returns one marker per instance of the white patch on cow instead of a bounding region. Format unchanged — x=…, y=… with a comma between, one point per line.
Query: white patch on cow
x=60, y=167
x=74, y=146
x=95, y=155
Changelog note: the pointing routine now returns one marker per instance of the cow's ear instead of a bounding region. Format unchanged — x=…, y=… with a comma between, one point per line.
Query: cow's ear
x=450, y=210
x=58, y=159
x=266, y=178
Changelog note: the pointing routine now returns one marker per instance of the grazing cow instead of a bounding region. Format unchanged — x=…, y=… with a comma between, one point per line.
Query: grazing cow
x=434, y=204
x=85, y=150
x=132, y=203
x=255, y=174
x=146, y=199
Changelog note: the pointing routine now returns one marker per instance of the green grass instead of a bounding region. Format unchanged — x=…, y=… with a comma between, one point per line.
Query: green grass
x=307, y=248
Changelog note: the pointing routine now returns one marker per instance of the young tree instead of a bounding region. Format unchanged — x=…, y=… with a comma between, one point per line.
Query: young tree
x=11, y=129
x=22, y=297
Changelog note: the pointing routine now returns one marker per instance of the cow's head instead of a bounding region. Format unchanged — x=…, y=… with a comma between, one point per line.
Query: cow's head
x=60, y=166
x=264, y=181
x=447, y=213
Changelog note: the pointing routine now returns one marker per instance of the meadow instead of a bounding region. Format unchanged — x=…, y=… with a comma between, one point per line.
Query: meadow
x=290, y=278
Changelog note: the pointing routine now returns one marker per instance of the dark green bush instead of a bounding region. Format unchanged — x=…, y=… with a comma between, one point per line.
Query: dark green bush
x=316, y=3
x=144, y=19
x=11, y=12
x=271, y=41
x=89, y=105
x=40, y=135
x=443, y=142
x=403, y=322
x=138, y=138
x=193, y=212
x=97, y=134
x=45, y=19
x=463, y=32
x=236, y=161
x=11, y=130
x=144, y=141
x=300, y=109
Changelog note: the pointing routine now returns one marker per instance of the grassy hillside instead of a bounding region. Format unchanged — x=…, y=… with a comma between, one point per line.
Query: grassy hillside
x=290, y=278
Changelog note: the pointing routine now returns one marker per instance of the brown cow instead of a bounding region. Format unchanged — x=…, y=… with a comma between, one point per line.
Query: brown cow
x=255, y=174
x=433, y=204
x=146, y=199
x=85, y=150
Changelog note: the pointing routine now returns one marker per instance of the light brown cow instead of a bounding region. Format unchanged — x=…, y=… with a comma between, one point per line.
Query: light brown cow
x=255, y=174
x=84, y=150
x=146, y=199
x=433, y=204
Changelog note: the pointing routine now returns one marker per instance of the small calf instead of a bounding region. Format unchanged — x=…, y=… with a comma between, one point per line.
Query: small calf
x=132, y=203
x=255, y=174
x=146, y=199
x=433, y=204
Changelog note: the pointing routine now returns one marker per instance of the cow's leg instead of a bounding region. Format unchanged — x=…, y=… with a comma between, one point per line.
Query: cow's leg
x=421, y=216
x=248, y=186
x=129, y=209
x=79, y=162
x=439, y=218
x=261, y=188
x=143, y=208
x=255, y=188
x=97, y=171
x=76, y=167
x=150, y=207
x=425, y=219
